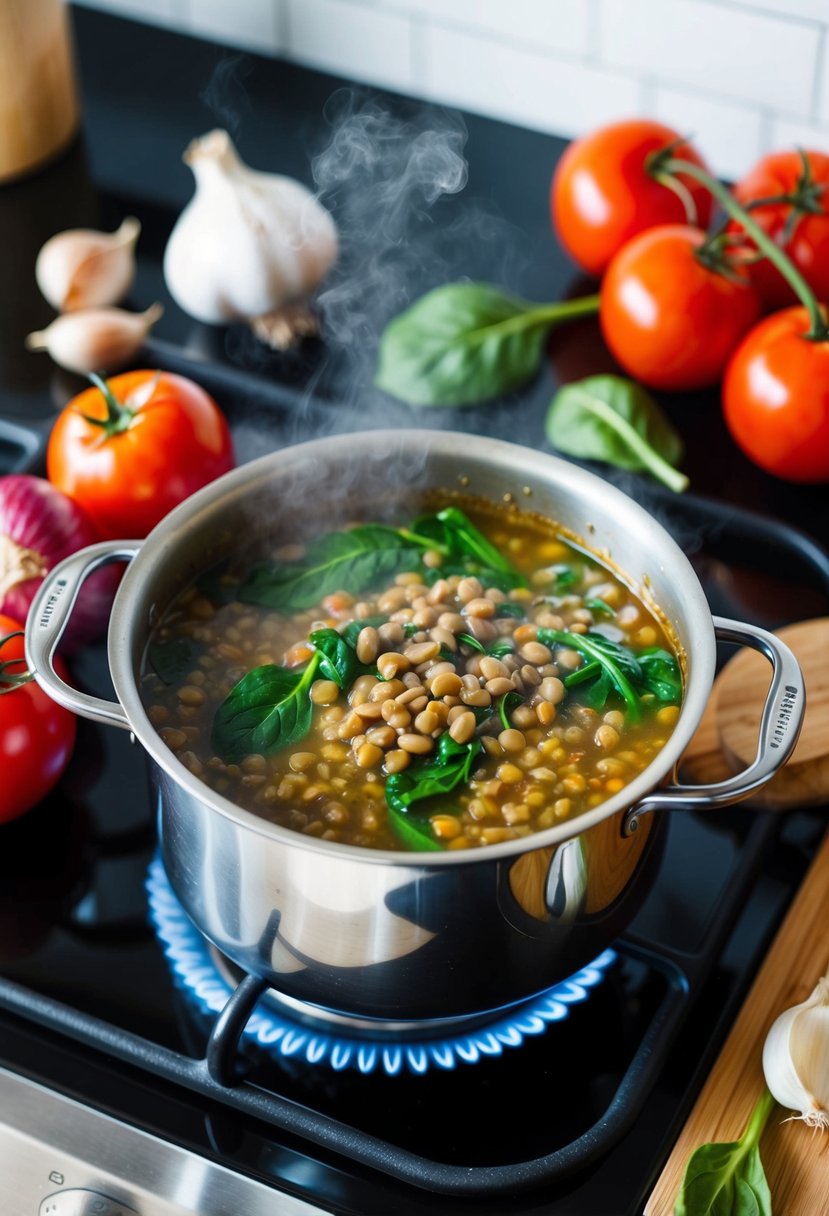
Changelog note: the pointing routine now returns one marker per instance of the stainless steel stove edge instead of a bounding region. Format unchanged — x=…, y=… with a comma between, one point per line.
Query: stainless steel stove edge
x=60, y=1157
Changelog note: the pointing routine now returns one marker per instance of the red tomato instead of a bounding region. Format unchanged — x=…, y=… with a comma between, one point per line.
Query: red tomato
x=602, y=193
x=776, y=398
x=36, y=734
x=670, y=320
x=777, y=174
x=169, y=440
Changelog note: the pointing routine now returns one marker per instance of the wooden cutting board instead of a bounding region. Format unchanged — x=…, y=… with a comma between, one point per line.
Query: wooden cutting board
x=795, y=1158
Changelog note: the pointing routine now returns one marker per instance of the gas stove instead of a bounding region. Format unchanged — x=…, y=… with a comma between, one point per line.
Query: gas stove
x=125, y=1085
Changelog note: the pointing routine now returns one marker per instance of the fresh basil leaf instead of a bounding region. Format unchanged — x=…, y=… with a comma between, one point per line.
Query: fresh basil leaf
x=612, y=419
x=506, y=704
x=172, y=660
x=618, y=666
x=462, y=343
x=339, y=561
x=268, y=709
x=661, y=674
x=729, y=1179
x=354, y=628
x=338, y=661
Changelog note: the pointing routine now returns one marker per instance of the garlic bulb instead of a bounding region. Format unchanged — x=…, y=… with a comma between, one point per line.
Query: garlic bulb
x=796, y=1058
x=80, y=268
x=97, y=339
x=247, y=242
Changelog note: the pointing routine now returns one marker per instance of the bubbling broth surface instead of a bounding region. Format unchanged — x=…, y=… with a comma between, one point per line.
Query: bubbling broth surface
x=451, y=681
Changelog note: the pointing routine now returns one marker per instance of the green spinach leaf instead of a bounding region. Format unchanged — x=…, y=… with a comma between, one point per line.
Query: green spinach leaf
x=617, y=666
x=729, y=1179
x=506, y=704
x=450, y=767
x=354, y=628
x=339, y=561
x=467, y=342
x=172, y=660
x=599, y=607
x=609, y=418
x=661, y=674
x=337, y=660
x=268, y=709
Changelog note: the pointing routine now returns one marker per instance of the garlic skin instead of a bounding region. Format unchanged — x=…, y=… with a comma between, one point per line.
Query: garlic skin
x=796, y=1058
x=97, y=339
x=81, y=268
x=247, y=242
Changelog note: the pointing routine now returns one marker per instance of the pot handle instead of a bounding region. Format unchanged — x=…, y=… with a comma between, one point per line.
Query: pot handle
x=779, y=729
x=49, y=615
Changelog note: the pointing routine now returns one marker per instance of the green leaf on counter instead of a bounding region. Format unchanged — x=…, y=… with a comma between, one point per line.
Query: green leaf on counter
x=467, y=342
x=172, y=660
x=612, y=419
x=729, y=1179
x=349, y=561
x=267, y=709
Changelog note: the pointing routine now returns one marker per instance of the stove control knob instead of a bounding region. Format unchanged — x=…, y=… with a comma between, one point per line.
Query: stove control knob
x=83, y=1203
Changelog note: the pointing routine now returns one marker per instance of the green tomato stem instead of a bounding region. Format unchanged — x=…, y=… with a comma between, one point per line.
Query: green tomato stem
x=119, y=416
x=818, y=330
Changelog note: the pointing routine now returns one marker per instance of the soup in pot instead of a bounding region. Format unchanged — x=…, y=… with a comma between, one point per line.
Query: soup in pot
x=467, y=677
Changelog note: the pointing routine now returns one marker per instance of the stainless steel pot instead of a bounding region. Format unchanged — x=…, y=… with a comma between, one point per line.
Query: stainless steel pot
x=401, y=937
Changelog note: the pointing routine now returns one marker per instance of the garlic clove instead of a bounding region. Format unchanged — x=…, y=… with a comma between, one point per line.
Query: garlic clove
x=796, y=1058
x=81, y=268
x=97, y=339
x=247, y=242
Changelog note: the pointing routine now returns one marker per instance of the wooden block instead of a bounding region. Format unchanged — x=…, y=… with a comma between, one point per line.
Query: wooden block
x=796, y=1158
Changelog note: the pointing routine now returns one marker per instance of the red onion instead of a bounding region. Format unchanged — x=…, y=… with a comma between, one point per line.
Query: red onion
x=39, y=526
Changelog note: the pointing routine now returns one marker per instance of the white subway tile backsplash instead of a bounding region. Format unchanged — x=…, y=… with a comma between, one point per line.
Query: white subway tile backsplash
x=787, y=134
x=358, y=41
x=742, y=54
x=526, y=87
x=728, y=136
x=254, y=25
x=563, y=25
x=742, y=76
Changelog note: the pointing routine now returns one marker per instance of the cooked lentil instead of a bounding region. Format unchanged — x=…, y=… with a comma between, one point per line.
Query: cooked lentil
x=546, y=755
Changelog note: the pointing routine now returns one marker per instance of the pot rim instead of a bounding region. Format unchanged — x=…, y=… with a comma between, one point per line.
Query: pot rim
x=167, y=536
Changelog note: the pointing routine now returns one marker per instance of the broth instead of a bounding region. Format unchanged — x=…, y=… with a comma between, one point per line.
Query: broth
x=465, y=678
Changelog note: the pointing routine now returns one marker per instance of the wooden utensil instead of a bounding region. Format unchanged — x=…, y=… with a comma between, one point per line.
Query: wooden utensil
x=796, y=1159
x=726, y=738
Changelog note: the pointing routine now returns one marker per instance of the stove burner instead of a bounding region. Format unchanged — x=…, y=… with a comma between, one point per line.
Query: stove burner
x=290, y=1037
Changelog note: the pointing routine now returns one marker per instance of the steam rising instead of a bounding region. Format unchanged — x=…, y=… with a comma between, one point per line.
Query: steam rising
x=381, y=176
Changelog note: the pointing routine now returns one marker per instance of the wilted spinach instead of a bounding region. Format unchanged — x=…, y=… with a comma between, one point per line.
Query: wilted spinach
x=269, y=708
x=350, y=561
x=172, y=660
x=613, y=668
x=612, y=419
x=467, y=342
x=450, y=767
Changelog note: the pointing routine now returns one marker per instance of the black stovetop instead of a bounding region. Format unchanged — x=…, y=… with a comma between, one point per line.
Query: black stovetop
x=577, y=1120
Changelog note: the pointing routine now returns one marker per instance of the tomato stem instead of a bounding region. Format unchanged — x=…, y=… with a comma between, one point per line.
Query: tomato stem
x=10, y=681
x=818, y=331
x=119, y=416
